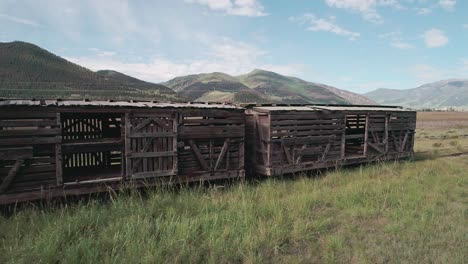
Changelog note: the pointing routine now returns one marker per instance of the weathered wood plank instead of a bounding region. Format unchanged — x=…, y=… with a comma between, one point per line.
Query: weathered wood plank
x=134, y=155
x=29, y=132
x=29, y=141
x=16, y=153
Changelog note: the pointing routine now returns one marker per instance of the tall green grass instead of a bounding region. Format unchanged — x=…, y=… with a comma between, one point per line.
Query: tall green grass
x=384, y=213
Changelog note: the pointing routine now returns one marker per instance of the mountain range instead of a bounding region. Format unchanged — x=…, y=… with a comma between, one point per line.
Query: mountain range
x=28, y=71
x=445, y=94
x=260, y=86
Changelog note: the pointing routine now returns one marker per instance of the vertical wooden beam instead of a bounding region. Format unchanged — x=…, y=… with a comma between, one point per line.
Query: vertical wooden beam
x=58, y=154
x=242, y=156
x=128, y=147
x=211, y=154
x=366, y=134
x=386, y=139
x=175, y=159
x=343, y=140
x=268, y=136
x=122, y=149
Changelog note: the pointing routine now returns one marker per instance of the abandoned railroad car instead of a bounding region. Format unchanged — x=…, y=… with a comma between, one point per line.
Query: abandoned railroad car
x=290, y=139
x=54, y=148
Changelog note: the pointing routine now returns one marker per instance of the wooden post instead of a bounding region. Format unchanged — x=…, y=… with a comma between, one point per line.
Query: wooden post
x=58, y=154
x=343, y=140
x=366, y=134
x=128, y=148
x=175, y=159
x=268, y=136
x=386, y=139
x=122, y=151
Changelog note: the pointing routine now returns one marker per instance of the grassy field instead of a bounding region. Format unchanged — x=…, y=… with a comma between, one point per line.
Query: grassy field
x=409, y=212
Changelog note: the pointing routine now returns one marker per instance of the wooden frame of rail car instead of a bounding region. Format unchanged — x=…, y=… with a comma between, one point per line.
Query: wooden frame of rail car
x=52, y=148
x=292, y=139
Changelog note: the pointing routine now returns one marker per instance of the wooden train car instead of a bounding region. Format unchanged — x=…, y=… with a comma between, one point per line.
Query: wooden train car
x=52, y=148
x=290, y=139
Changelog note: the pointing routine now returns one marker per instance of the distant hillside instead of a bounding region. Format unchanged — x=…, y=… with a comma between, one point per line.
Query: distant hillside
x=442, y=94
x=259, y=86
x=27, y=70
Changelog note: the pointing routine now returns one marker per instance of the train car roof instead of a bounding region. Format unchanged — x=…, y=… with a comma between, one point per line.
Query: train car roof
x=113, y=104
x=328, y=108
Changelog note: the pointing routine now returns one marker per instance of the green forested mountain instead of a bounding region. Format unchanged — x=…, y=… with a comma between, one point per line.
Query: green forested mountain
x=27, y=70
x=260, y=86
x=438, y=95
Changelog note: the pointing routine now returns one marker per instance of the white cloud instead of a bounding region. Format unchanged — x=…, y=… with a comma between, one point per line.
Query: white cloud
x=435, y=38
x=314, y=23
x=225, y=56
x=251, y=8
x=19, y=20
x=367, y=8
x=396, y=40
x=448, y=5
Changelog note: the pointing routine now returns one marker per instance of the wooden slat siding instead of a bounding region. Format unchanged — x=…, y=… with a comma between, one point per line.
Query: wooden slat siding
x=403, y=144
x=58, y=154
x=149, y=174
x=135, y=155
x=16, y=153
x=309, y=127
x=305, y=115
x=308, y=133
x=201, y=132
x=28, y=141
x=28, y=123
x=27, y=114
x=305, y=140
x=153, y=134
x=312, y=122
x=199, y=156
x=11, y=175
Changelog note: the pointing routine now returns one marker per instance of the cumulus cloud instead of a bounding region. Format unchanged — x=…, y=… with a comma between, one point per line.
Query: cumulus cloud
x=435, y=38
x=367, y=8
x=251, y=8
x=448, y=5
x=225, y=56
x=314, y=23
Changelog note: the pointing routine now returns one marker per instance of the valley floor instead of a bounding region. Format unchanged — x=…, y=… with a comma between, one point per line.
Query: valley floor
x=409, y=212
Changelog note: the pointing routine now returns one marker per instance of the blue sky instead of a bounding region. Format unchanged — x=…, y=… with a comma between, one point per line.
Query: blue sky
x=359, y=45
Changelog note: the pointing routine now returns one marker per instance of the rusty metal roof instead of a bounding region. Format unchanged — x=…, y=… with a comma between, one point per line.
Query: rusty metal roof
x=110, y=103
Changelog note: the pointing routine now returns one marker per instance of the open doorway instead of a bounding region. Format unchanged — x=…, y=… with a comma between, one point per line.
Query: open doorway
x=355, y=135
